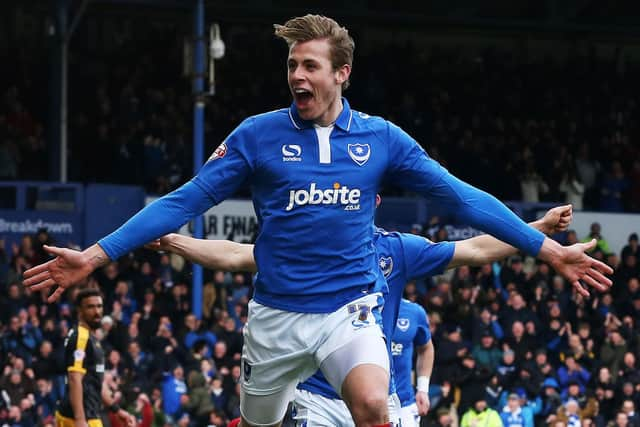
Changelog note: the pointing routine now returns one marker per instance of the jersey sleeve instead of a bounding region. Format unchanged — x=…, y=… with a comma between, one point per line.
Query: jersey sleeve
x=230, y=164
x=162, y=216
x=221, y=175
x=75, y=358
x=423, y=332
x=411, y=168
x=423, y=257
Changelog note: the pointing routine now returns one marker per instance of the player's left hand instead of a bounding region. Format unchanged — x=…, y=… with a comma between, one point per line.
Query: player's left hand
x=423, y=403
x=575, y=265
x=557, y=219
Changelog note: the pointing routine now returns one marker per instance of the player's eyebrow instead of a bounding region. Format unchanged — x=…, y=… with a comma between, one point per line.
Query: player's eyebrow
x=93, y=305
x=305, y=61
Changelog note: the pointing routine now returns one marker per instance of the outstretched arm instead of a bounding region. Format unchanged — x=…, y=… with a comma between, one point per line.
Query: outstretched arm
x=158, y=218
x=485, y=249
x=414, y=170
x=570, y=261
x=215, y=254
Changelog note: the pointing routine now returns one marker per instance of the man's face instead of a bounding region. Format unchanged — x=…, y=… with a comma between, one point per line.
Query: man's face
x=314, y=84
x=574, y=390
x=134, y=349
x=541, y=359
x=628, y=407
x=190, y=322
x=629, y=360
x=480, y=405
x=445, y=420
x=15, y=377
x=584, y=332
x=178, y=372
x=513, y=403
x=46, y=349
x=91, y=311
x=14, y=324
x=517, y=329
x=622, y=420
x=616, y=338
x=508, y=357
x=42, y=386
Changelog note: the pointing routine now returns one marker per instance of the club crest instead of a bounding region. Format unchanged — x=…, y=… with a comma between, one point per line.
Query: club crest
x=403, y=324
x=386, y=265
x=359, y=153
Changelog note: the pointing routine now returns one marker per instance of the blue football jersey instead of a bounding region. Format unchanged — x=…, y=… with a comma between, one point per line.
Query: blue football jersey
x=412, y=328
x=314, y=195
x=401, y=257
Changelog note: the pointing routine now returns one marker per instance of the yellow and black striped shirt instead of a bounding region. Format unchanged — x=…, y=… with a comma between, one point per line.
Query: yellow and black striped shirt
x=84, y=354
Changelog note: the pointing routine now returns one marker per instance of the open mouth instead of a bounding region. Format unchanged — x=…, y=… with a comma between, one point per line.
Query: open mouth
x=302, y=96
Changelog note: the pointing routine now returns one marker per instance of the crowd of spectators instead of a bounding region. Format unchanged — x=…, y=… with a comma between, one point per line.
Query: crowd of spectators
x=516, y=345
x=511, y=337
x=155, y=347
x=538, y=128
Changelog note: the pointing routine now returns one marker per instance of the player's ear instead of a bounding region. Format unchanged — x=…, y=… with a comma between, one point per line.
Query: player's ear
x=342, y=74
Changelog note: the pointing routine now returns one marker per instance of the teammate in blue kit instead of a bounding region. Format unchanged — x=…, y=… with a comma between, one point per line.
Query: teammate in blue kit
x=400, y=258
x=412, y=333
x=314, y=169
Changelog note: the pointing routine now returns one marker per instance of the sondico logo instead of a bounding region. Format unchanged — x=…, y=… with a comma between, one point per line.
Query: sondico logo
x=291, y=153
x=339, y=194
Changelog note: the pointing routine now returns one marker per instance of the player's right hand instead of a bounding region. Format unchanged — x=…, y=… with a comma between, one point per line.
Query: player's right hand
x=67, y=269
x=423, y=403
x=80, y=423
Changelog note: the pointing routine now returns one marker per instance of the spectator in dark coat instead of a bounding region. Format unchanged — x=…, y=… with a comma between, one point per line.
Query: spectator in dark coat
x=451, y=349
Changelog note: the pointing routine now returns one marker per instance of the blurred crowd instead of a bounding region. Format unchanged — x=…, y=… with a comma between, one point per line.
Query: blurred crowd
x=537, y=128
x=512, y=337
x=516, y=345
x=157, y=353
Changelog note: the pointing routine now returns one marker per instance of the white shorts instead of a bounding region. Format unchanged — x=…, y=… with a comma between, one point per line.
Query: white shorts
x=394, y=410
x=314, y=410
x=282, y=349
x=409, y=416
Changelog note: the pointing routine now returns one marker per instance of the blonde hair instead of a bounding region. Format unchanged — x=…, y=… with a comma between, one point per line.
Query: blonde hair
x=209, y=297
x=318, y=27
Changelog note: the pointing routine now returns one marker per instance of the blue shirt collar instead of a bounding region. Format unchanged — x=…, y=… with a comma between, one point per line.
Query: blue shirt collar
x=343, y=121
